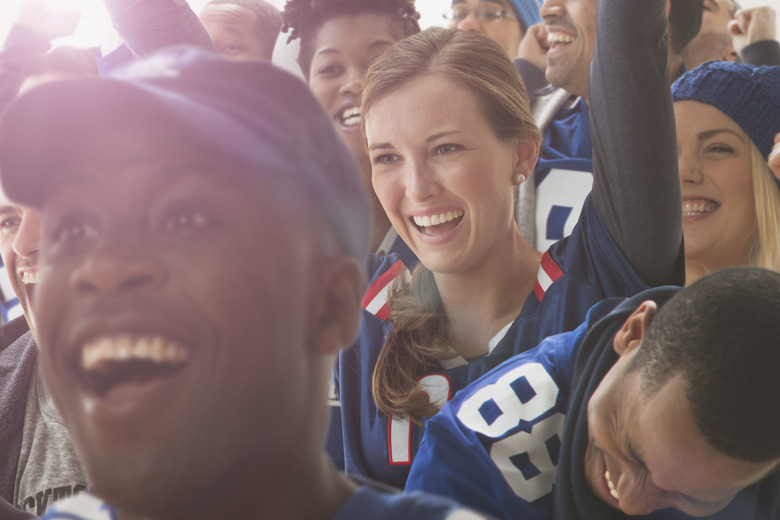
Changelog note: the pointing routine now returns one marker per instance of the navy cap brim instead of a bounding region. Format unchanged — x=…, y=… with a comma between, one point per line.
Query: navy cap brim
x=56, y=122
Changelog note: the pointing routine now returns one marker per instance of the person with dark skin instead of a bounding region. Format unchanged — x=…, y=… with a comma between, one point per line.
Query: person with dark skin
x=339, y=39
x=202, y=262
x=657, y=407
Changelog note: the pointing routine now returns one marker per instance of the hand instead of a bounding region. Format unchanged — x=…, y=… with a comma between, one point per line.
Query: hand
x=48, y=19
x=752, y=25
x=534, y=46
x=774, y=158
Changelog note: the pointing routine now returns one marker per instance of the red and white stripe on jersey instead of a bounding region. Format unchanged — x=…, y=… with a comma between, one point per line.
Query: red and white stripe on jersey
x=375, y=298
x=548, y=273
x=399, y=429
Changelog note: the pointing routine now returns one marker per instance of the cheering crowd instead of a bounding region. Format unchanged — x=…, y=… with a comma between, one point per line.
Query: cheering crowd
x=524, y=265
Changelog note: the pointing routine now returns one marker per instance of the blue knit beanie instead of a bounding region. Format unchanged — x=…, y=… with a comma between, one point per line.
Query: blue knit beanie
x=527, y=11
x=748, y=94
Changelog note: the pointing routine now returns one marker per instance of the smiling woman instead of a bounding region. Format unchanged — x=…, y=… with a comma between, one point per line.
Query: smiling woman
x=728, y=115
x=450, y=136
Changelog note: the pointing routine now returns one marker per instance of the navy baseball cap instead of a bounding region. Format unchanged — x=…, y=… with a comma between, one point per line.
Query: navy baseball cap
x=251, y=113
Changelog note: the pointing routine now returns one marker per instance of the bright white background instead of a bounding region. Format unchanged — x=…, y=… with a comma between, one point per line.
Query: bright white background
x=95, y=27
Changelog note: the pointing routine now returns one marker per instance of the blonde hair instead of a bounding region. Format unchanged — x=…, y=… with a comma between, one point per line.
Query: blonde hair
x=420, y=335
x=766, y=194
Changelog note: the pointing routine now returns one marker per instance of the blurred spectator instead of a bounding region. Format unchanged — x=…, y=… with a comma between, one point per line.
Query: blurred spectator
x=242, y=29
x=732, y=34
x=503, y=21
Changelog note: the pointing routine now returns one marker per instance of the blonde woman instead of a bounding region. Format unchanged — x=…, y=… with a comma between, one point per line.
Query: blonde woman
x=728, y=116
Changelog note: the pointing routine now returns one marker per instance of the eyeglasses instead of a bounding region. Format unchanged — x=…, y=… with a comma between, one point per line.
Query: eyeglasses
x=484, y=13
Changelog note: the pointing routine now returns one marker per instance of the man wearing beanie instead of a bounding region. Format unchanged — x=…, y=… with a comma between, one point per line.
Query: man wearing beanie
x=202, y=263
x=503, y=21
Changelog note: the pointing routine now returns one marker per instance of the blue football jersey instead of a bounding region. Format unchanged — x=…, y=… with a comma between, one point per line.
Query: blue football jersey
x=564, y=174
x=575, y=273
x=501, y=436
x=366, y=503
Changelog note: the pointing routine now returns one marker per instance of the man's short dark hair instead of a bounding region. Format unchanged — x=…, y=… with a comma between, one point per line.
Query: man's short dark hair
x=269, y=20
x=722, y=334
x=684, y=22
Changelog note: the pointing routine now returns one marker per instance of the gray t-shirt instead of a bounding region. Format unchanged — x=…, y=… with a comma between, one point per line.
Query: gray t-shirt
x=49, y=469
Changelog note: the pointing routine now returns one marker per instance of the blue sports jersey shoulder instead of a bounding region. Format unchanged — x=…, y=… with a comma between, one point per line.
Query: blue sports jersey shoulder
x=368, y=502
x=505, y=427
x=563, y=174
x=365, y=503
x=357, y=439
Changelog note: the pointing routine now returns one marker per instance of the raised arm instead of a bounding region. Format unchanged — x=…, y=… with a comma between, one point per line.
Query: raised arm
x=636, y=186
x=30, y=36
x=149, y=25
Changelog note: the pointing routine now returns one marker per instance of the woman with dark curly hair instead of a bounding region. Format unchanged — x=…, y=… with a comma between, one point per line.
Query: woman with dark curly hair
x=339, y=39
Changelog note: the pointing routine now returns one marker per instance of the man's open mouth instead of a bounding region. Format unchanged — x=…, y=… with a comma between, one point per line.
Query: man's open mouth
x=108, y=361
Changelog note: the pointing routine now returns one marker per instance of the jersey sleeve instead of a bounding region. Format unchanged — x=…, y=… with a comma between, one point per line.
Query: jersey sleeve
x=636, y=187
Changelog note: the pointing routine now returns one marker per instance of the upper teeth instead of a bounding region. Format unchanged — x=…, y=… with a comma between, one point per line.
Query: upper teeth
x=434, y=220
x=612, y=490
x=351, y=116
x=28, y=278
x=691, y=208
x=559, y=37
x=123, y=347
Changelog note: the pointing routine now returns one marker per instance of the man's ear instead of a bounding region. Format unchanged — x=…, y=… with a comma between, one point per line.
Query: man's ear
x=336, y=307
x=635, y=327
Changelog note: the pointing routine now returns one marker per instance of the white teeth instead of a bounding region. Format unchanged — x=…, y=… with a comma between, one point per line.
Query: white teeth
x=612, y=490
x=559, y=37
x=28, y=278
x=351, y=116
x=123, y=347
x=693, y=208
x=435, y=220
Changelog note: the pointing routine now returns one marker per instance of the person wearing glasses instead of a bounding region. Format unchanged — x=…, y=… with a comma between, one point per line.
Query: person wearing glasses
x=503, y=21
